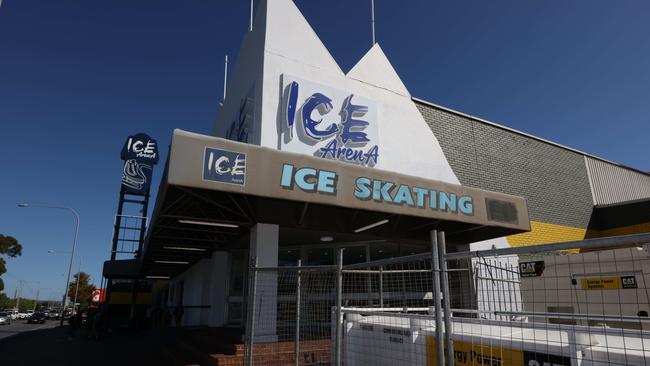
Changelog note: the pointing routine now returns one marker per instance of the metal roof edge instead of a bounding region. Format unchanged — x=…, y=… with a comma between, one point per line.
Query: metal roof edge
x=425, y=102
x=622, y=203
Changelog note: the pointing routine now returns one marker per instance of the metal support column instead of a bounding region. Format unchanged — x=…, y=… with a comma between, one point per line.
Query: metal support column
x=381, y=287
x=136, y=282
x=116, y=236
x=297, y=342
x=339, y=304
x=117, y=224
x=251, y=316
x=444, y=278
x=435, y=273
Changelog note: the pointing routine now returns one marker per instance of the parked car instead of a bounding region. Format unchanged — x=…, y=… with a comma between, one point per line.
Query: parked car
x=5, y=318
x=36, y=318
x=54, y=314
x=22, y=315
x=13, y=313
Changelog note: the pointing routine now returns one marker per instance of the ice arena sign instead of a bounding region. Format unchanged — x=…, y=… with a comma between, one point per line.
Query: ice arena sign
x=329, y=123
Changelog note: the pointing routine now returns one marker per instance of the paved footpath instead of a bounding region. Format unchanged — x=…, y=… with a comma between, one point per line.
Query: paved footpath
x=50, y=345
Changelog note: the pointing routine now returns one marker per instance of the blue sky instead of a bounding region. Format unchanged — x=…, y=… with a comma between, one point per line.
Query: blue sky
x=77, y=77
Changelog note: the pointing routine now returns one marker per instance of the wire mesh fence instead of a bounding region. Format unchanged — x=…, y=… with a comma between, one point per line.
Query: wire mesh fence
x=291, y=321
x=582, y=303
x=393, y=285
x=380, y=301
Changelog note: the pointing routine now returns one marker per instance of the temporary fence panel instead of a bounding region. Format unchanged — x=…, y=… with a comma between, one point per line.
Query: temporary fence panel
x=384, y=291
x=294, y=321
x=581, y=303
x=412, y=293
x=290, y=323
x=604, y=282
x=410, y=339
x=497, y=285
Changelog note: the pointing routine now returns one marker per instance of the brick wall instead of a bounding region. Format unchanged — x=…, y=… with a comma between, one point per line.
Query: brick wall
x=552, y=179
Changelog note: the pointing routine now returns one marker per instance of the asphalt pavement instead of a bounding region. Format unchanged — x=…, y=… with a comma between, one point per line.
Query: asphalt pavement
x=21, y=326
x=50, y=344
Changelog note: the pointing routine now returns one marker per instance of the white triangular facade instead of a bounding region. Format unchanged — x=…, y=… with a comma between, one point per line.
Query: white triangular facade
x=282, y=48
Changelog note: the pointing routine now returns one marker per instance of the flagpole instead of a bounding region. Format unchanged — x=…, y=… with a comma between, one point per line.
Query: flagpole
x=250, y=20
x=372, y=21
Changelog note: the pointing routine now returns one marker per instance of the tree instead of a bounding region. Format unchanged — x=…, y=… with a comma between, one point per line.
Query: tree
x=9, y=246
x=85, y=288
x=5, y=301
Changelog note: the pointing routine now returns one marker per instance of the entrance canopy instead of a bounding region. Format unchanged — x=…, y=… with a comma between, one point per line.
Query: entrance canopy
x=214, y=190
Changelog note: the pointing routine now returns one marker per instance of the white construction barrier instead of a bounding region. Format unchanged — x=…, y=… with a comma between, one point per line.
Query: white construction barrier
x=407, y=339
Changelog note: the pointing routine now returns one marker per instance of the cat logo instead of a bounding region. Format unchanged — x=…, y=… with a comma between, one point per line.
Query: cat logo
x=531, y=269
x=608, y=283
x=628, y=282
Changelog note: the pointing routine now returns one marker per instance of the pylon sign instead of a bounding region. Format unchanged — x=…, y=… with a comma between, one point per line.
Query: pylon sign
x=140, y=154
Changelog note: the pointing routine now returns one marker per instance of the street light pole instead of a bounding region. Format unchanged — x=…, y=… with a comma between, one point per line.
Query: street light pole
x=74, y=244
x=19, y=292
x=76, y=291
x=36, y=302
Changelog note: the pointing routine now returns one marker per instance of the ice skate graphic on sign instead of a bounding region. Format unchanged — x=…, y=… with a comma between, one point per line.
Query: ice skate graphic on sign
x=140, y=154
x=133, y=175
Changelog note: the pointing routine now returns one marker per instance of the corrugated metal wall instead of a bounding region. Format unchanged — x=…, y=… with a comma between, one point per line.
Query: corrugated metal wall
x=613, y=184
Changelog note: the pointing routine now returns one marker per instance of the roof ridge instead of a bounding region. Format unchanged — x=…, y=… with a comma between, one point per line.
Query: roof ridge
x=482, y=120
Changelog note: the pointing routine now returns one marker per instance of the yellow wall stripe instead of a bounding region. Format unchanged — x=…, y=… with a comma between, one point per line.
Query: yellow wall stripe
x=124, y=298
x=545, y=233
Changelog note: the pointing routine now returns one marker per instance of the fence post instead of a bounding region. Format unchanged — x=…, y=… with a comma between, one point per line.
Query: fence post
x=251, y=317
x=435, y=273
x=444, y=274
x=297, y=343
x=339, y=304
x=381, y=286
x=573, y=348
x=247, y=321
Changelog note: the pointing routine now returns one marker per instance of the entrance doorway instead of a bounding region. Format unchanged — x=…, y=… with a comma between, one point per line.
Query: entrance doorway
x=237, y=282
x=310, y=255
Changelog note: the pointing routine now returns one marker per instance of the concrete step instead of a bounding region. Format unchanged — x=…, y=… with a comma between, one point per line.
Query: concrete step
x=174, y=357
x=183, y=352
x=212, y=342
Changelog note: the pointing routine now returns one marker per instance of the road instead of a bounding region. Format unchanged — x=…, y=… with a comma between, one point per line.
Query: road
x=21, y=326
x=49, y=344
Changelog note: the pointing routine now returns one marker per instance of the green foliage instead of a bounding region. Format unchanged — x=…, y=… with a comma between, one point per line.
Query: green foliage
x=24, y=304
x=3, y=269
x=5, y=301
x=10, y=247
x=85, y=288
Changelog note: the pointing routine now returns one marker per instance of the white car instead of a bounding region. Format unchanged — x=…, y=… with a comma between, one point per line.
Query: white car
x=5, y=318
x=13, y=314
